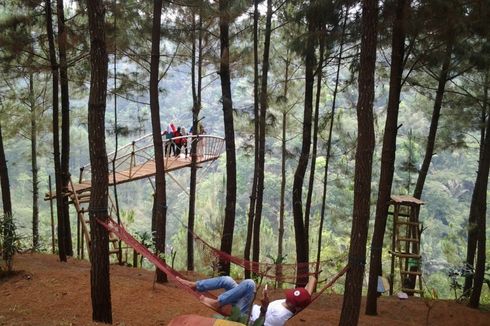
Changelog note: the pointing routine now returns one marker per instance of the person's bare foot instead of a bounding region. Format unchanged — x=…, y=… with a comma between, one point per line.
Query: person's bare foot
x=212, y=303
x=190, y=284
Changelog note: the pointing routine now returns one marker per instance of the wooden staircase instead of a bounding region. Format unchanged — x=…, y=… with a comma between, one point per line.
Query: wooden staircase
x=80, y=201
x=405, y=246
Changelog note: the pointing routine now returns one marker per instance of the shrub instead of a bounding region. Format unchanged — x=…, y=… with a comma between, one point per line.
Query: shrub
x=9, y=241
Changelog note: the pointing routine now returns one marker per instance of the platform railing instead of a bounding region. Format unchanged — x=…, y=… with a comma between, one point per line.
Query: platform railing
x=141, y=151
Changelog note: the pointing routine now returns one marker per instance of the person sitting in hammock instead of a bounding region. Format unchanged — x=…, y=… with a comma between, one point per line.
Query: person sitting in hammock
x=242, y=294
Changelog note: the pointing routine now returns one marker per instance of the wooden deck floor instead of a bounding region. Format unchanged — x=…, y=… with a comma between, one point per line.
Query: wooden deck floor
x=141, y=171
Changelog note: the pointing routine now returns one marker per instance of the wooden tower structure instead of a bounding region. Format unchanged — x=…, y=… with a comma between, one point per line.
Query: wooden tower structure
x=405, y=243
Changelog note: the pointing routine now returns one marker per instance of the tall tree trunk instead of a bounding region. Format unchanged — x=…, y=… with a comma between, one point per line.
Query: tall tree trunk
x=478, y=212
x=388, y=153
x=56, y=138
x=160, y=202
x=263, y=114
x=429, y=151
x=65, y=123
x=99, y=273
x=192, y=185
x=280, y=231
x=363, y=170
x=472, y=224
x=484, y=112
x=329, y=142
x=299, y=175
x=253, y=191
x=34, y=167
x=311, y=181
x=229, y=222
x=5, y=186
x=196, y=109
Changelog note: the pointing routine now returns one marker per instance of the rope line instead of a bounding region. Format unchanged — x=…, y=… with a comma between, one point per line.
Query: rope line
x=331, y=282
x=262, y=269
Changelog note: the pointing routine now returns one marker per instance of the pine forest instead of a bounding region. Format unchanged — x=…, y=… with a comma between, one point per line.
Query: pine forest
x=282, y=141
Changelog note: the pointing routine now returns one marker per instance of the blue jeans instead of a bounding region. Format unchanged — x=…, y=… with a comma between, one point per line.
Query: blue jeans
x=240, y=295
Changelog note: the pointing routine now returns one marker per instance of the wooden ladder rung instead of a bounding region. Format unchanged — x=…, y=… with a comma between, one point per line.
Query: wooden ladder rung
x=399, y=214
x=408, y=223
x=408, y=239
x=405, y=255
x=83, y=210
x=114, y=251
x=84, y=194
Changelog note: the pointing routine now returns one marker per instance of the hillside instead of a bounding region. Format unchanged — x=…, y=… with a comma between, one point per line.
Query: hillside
x=46, y=292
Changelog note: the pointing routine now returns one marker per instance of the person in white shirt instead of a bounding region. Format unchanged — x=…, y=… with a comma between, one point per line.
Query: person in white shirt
x=241, y=295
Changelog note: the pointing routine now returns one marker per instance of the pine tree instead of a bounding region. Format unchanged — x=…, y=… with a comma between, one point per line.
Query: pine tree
x=65, y=121
x=302, y=251
x=388, y=152
x=160, y=202
x=62, y=240
x=364, y=155
x=6, y=200
x=225, y=19
x=99, y=273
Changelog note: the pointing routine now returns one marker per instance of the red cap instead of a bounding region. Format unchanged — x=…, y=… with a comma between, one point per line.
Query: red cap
x=299, y=297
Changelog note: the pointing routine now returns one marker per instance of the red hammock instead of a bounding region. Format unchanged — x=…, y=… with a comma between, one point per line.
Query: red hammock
x=279, y=272
x=119, y=230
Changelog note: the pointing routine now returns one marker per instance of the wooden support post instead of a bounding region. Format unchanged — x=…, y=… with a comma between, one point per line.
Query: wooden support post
x=78, y=238
x=393, y=245
x=52, y=216
x=135, y=259
x=82, y=251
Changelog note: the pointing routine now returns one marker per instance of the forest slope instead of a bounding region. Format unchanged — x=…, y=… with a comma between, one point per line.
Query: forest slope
x=46, y=292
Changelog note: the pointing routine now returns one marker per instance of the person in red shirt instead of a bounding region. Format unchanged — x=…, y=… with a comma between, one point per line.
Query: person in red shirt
x=177, y=141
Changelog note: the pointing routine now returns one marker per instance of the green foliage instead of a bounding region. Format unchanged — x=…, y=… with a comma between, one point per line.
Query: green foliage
x=144, y=238
x=9, y=241
x=456, y=275
x=278, y=259
x=127, y=216
x=237, y=316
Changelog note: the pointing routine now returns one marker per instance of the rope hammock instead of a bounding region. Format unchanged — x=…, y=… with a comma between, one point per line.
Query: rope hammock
x=279, y=272
x=120, y=231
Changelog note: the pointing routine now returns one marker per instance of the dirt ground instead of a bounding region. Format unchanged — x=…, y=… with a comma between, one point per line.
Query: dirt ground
x=47, y=292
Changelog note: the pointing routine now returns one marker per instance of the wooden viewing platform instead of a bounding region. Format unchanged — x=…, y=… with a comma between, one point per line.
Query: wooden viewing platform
x=134, y=161
x=146, y=170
